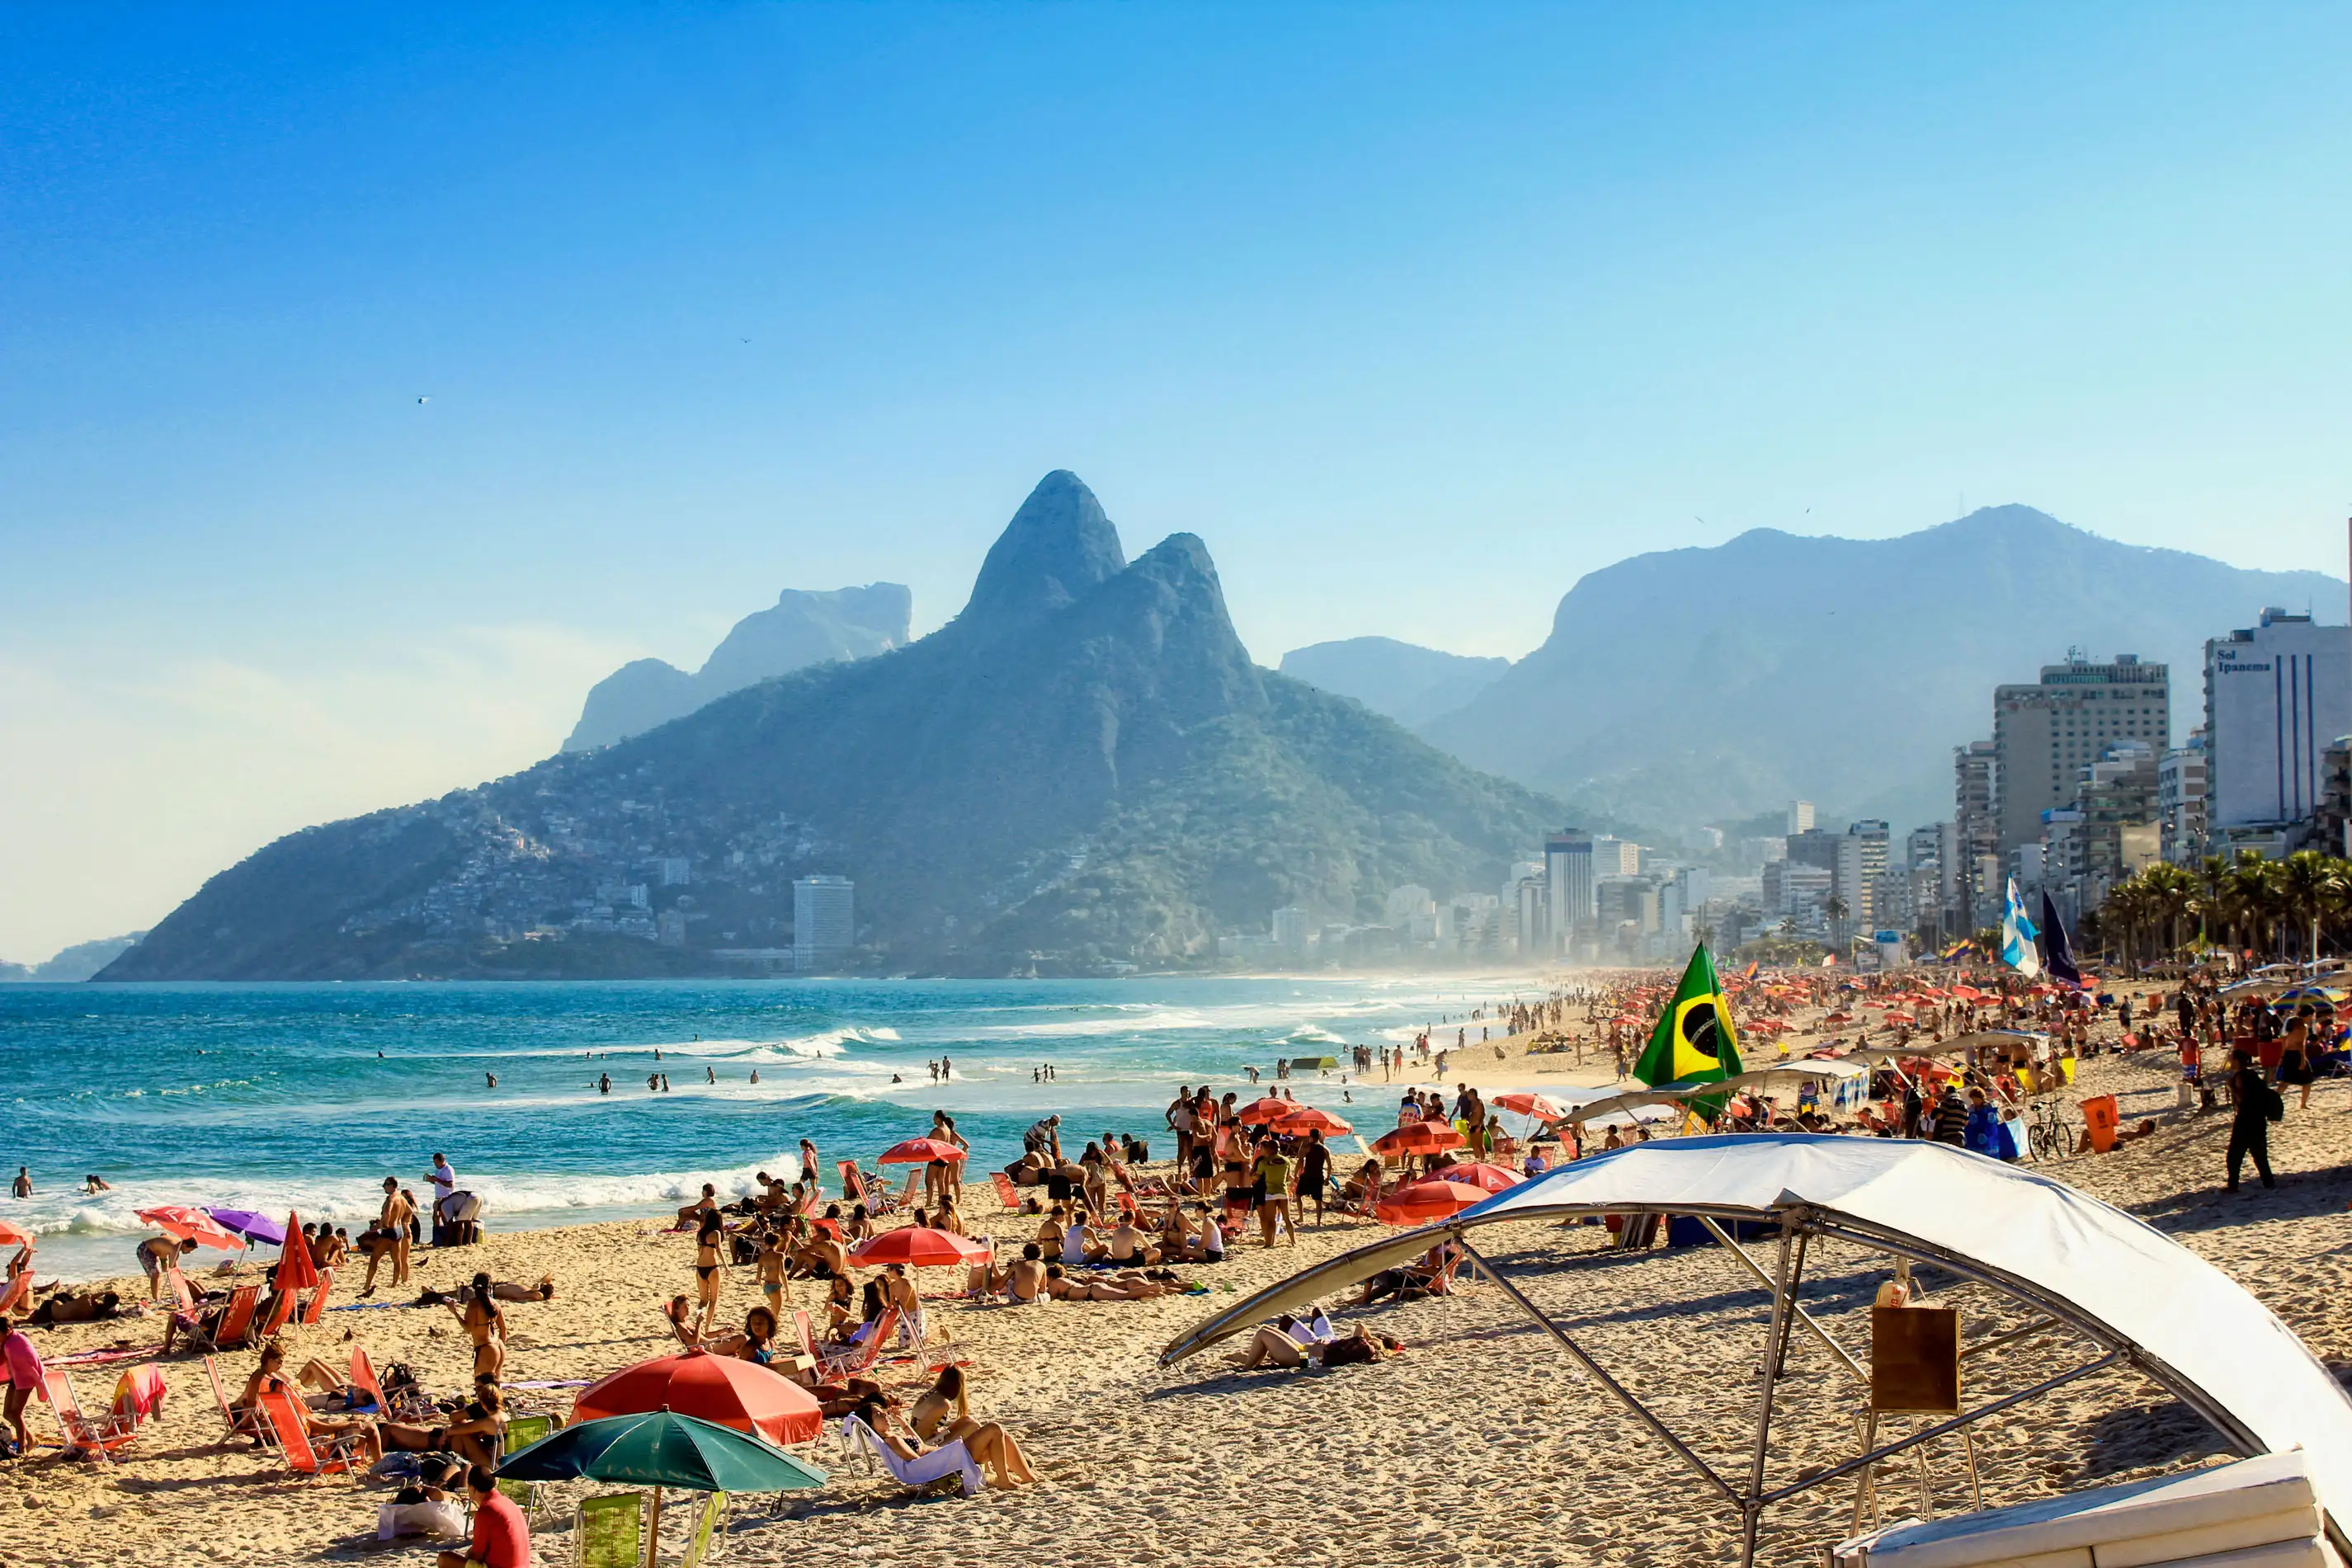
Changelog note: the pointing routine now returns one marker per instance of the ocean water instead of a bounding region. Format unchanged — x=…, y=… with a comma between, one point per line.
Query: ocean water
x=273, y=1097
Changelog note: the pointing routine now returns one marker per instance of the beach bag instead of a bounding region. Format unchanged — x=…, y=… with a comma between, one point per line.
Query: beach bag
x=427, y=1518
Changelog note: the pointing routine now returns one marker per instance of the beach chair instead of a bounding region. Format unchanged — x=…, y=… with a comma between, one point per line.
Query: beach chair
x=18, y=1296
x=241, y=1423
x=182, y=1293
x=317, y=1304
x=1006, y=1193
x=805, y=1327
x=861, y=1356
x=609, y=1530
x=698, y=1546
x=947, y=1459
x=281, y=1311
x=329, y=1456
x=235, y=1322
x=364, y=1377
x=521, y=1432
x=91, y=1435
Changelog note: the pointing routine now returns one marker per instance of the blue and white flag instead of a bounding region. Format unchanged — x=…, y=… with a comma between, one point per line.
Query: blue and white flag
x=2017, y=935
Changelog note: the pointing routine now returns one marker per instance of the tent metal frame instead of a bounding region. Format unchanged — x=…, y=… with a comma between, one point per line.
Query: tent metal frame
x=1800, y=1224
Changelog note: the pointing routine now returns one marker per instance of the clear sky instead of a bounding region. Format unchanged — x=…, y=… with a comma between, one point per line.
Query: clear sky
x=1415, y=313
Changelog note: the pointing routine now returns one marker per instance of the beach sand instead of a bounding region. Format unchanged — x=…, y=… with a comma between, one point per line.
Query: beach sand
x=1480, y=1446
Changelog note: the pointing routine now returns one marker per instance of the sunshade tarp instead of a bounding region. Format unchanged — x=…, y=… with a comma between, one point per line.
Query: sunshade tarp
x=2137, y=1283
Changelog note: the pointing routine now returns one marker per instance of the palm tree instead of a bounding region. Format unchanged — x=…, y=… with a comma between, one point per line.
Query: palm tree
x=2305, y=884
x=2172, y=895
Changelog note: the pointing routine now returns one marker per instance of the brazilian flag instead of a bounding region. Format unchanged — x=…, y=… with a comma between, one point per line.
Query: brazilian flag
x=1694, y=1041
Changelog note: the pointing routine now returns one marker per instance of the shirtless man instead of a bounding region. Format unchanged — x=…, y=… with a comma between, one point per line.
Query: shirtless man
x=392, y=1223
x=1127, y=1244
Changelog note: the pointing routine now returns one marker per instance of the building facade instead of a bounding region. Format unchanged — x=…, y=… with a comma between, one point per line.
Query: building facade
x=2044, y=735
x=825, y=923
x=2276, y=694
x=1569, y=874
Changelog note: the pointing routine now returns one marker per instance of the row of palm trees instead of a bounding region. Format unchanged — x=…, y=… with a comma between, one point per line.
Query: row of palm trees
x=2285, y=908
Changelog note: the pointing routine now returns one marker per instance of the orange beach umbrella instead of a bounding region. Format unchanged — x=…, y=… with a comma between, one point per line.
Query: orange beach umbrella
x=724, y=1389
x=1417, y=1138
x=918, y=1247
x=1426, y=1200
x=1309, y=1119
x=919, y=1152
x=1529, y=1103
x=1270, y=1108
x=1486, y=1177
x=182, y=1223
x=296, y=1269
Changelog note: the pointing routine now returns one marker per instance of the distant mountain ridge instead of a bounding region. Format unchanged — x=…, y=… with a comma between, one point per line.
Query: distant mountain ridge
x=801, y=629
x=78, y=962
x=1410, y=684
x=1692, y=685
x=1084, y=769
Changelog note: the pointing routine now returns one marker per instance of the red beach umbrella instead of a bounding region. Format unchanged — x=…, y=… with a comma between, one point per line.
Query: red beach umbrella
x=1272, y=1108
x=1486, y=1177
x=724, y=1389
x=919, y=1152
x=1417, y=1138
x=1308, y=1119
x=14, y=1236
x=182, y=1223
x=1530, y=1105
x=1426, y=1200
x=296, y=1271
x=918, y=1247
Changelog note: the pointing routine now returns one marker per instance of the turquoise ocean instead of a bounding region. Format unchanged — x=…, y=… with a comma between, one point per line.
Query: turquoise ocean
x=273, y=1097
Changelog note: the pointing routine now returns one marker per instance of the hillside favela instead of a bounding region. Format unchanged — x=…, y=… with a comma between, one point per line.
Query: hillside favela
x=1519, y=787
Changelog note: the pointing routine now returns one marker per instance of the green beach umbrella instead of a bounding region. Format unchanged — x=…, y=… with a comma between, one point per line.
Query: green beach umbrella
x=661, y=1448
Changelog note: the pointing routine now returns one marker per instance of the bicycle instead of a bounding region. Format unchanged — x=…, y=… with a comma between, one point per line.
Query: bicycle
x=2049, y=1136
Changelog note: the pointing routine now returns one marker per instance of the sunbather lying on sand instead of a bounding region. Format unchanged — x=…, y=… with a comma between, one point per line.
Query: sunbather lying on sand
x=1275, y=1343
x=1126, y=1286
x=500, y=1291
x=76, y=1307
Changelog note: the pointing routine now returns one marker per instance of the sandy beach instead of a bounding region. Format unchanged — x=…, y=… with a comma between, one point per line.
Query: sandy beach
x=1479, y=1446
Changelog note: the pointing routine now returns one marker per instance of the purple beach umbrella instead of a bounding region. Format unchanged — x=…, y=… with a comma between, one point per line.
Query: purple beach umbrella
x=251, y=1225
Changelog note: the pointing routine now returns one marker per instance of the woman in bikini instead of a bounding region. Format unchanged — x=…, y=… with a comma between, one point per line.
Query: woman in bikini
x=710, y=1256
x=472, y=1435
x=269, y=1377
x=986, y=1445
x=478, y=1313
x=941, y=1415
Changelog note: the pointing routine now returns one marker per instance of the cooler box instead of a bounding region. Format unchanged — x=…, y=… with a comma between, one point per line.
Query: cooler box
x=2256, y=1513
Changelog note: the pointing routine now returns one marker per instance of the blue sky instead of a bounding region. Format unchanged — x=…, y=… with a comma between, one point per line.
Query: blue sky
x=1415, y=313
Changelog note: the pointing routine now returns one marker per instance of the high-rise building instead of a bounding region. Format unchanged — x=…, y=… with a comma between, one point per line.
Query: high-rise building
x=824, y=923
x=2044, y=735
x=1404, y=903
x=2181, y=785
x=1568, y=873
x=2275, y=694
x=1977, y=828
x=1290, y=933
x=1615, y=857
x=1800, y=817
x=1869, y=837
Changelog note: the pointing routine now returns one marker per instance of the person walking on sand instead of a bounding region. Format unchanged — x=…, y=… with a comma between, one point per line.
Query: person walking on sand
x=2257, y=1107
x=392, y=1225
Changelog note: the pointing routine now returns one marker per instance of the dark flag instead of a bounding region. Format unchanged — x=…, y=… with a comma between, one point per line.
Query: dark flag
x=2058, y=952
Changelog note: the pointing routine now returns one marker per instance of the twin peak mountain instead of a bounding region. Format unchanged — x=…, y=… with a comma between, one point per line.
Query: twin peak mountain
x=1082, y=770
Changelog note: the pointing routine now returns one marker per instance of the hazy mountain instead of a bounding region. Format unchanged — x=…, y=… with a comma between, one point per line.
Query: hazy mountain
x=1696, y=685
x=1410, y=684
x=1083, y=768
x=801, y=630
x=78, y=962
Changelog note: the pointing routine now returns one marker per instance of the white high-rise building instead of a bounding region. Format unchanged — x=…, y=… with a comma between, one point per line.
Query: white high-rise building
x=2044, y=735
x=2275, y=694
x=1800, y=817
x=1290, y=933
x=824, y=923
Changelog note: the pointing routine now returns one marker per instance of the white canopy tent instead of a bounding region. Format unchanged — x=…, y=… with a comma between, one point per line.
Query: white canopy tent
x=2141, y=1297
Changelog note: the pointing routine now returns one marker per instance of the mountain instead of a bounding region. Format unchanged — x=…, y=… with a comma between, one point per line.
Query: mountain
x=801, y=629
x=1411, y=684
x=1082, y=770
x=1692, y=685
x=78, y=962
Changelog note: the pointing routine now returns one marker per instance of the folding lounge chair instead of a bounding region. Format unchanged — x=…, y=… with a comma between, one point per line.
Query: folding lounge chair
x=947, y=1459
x=1006, y=1193
x=96, y=1435
x=281, y=1311
x=18, y=1295
x=364, y=1376
x=181, y=1292
x=609, y=1530
x=329, y=1456
x=861, y=1356
x=521, y=1432
x=317, y=1304
x=698, y=1546
x=241, y=1423
x=235, y=1322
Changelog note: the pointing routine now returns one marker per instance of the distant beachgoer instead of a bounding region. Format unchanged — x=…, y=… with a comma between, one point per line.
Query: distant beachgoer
x=664, y=1078
x=710, y=1074
x=604, y=1084
x=947, y=1069
x=653, y=1083
x=480, y=1316
x=2249, y=1124
x=755, y=1075
x=441, y=1177
x=23, y=1186
x=709, y=1260
x=96, y=1184
x=157, y=1256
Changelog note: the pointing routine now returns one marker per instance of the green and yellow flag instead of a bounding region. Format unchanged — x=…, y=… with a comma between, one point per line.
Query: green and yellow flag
x=1694, y=1041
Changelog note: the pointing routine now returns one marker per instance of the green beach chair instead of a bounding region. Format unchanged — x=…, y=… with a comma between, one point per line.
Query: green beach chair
x=699, y=1549
x=522, y=1431
x=607, y=1533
